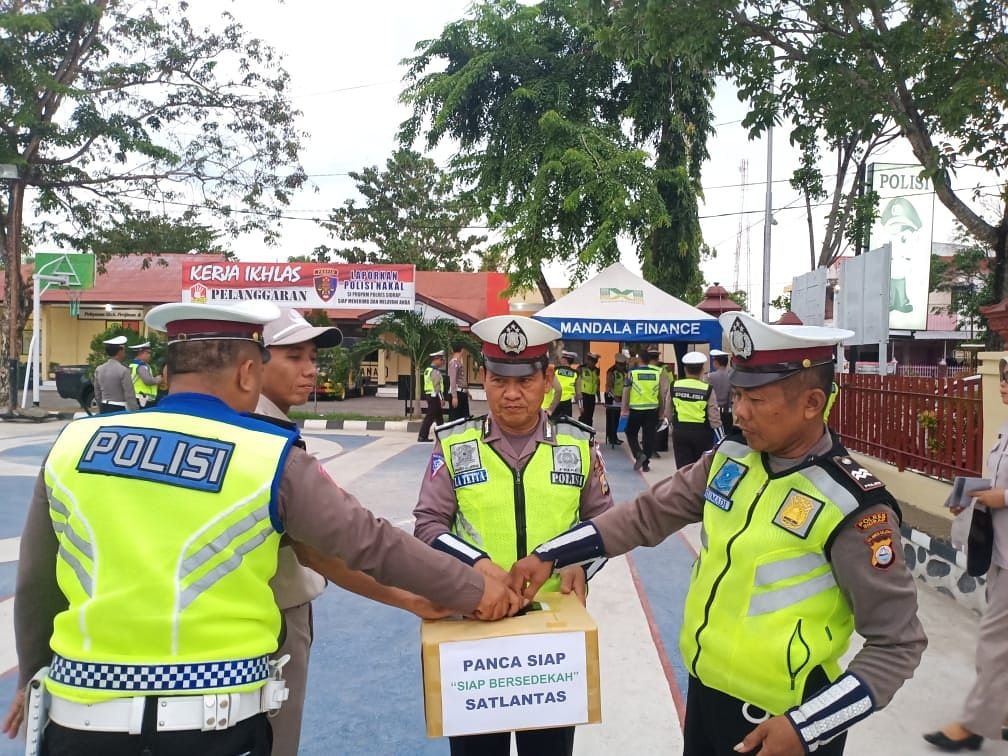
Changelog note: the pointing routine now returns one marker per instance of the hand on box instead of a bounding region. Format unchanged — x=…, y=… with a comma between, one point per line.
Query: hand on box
x=498, y=600
x=426, y=609
x=992, y=498
x=528, y=575
x=774, y=737
x=572, y=579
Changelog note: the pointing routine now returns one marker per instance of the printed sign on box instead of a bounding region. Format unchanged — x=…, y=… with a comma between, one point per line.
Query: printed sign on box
x=534, y=671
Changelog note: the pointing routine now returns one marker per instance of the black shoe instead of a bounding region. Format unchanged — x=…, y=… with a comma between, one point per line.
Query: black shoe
x=639, y=462
x=424, y=440
x=656, y=455
x=943, y=742
x=646, y=467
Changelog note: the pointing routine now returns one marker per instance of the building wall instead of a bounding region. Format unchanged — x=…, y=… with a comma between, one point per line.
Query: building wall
x=65, y=339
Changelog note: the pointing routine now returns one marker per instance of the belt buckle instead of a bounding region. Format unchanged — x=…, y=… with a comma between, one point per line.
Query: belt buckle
x=275, y=691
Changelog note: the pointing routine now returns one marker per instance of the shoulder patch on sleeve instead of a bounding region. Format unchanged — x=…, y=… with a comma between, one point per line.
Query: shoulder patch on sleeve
x=437, y=461
x=860, y=475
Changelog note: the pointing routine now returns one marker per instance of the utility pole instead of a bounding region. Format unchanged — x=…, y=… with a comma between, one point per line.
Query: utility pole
x=767, y=222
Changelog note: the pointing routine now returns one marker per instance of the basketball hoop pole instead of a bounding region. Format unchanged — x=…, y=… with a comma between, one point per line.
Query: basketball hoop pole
x=35, y=351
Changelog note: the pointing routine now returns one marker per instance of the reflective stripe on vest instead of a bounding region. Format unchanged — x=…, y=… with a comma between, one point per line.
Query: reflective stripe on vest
x=139, y=387
x=763, y=608
x=589, y=381
x=645, y=387
x=166, y=549
x=567, y=378
x=689, y=397
x=508, y=513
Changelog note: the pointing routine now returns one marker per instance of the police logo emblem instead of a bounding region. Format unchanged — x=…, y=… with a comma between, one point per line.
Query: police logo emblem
x=512, y=339
x=740, y=341
x=728, y=477
x=465, y=456
x=326, y=280
x=567, y=467
x=798, y=513
x=881, y=546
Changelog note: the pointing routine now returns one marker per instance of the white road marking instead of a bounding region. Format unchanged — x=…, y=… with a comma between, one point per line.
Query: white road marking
x=8, y=655
x=9, y=549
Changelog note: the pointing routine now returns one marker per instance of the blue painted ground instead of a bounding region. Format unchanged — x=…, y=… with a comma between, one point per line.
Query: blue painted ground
x=365, y=691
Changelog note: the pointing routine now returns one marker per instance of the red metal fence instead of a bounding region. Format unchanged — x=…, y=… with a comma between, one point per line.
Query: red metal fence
x=934, y=426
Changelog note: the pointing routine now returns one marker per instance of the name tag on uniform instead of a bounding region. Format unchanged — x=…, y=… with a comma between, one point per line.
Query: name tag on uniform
x=159, y=456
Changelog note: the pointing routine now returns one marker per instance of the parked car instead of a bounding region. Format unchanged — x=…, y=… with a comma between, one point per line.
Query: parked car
x=74, y=382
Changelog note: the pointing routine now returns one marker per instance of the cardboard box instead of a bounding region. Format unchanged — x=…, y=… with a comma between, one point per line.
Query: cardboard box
x=537, y=670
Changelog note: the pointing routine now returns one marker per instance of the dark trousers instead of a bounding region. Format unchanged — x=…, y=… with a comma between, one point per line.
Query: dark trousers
x=587, y=409
x=646, y=420
x=563, y=409
x=727, y=422
x=433, y=416
x=690, y=441
x=556, y=741
x=715, y=722
x=253, y=737
x=105, y=409
x=611, y=423
x=457, y=413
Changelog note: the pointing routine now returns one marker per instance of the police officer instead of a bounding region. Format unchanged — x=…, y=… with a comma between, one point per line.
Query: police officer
x=165, y=648
x=614, y=383
x=696, y=421
x=499, y=483
x=145, y=384
x=644, y=398
x=288, y=380
x=720, y=381
x=458, y=382
x=800, y=548
x=590, y=382
x=432, y=383
x=553, y=391
x=113, y=383
x=570, y=386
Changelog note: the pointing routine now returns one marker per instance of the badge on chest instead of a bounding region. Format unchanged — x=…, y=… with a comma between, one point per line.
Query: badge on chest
x=723, y=484
x=467, y=468
x=567, y=467
x=798, y=513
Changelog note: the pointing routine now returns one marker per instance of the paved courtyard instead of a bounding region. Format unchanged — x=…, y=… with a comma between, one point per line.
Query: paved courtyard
x=365, y=693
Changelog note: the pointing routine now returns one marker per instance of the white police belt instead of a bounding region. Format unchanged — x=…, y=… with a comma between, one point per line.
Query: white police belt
x=174, y=713
x=115, y=404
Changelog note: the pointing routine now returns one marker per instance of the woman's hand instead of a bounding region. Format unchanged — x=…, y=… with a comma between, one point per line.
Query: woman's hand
x=992, y=498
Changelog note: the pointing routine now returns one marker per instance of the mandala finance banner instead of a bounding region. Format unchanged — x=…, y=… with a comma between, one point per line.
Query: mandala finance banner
x=326, y=286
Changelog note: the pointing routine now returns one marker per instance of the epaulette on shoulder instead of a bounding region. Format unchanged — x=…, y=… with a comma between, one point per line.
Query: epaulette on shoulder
x=458, y=426
x=587, y=430
x=861, y=476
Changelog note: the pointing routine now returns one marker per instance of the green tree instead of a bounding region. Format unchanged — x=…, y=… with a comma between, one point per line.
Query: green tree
x=410, y=333
x=848, y=73
x=97, y=354
x=412, y=213
x=966, y=275
x=527, y=95
x=106, y=105
x=141, y=232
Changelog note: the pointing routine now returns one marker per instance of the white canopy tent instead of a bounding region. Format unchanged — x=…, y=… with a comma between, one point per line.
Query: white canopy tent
x=617, y=305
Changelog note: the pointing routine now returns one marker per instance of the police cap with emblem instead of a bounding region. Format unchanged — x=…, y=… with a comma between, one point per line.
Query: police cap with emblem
x=763, y=354
x=189, y=321
x=514, y=345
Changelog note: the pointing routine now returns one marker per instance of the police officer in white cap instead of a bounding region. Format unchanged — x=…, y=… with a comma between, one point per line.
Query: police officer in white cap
x=696, y=421
x=433, y=392
x=113, y=382
x=801, y=548
x=500, y=483
x=145, y=383
x=166, y=648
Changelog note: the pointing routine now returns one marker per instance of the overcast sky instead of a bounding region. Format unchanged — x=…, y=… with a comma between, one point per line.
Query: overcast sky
x=343, y=59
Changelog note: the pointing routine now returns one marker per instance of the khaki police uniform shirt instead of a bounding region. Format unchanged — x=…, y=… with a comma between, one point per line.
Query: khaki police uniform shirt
x=721, y=382
x=145, y=375
x=437, y=505
x=293, y=584
x=114, y=383
x=457, y=378
x=313, y=509
x=884, y=601
x=997, y=471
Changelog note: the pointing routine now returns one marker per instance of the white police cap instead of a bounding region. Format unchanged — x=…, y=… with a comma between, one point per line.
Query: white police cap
x=140, y=347
x=438, y=353
x=190, y=321
x=718, y=353
x=694, y=358
x=514, y=345
x=763, y=353
x=292, y=328
x=116, y=341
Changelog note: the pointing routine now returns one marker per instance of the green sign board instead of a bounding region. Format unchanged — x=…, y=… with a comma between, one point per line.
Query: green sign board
x=78, y=268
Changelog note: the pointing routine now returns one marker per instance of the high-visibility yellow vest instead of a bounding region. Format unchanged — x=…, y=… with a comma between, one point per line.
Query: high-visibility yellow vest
x=428, y=380
x=168, y=537
x=645, y=387
x=689, y=397
x=763, y=608
x=547, y=401
x=139, y=387
x=589, y=381
x=830, y=400
x=619, y=383
x=506, y=512
x=567, y=378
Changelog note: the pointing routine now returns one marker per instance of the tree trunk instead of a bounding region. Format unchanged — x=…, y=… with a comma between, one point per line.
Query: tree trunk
x=12, y=322
x=544, y=289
